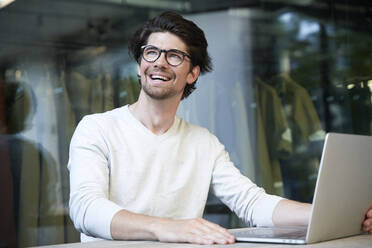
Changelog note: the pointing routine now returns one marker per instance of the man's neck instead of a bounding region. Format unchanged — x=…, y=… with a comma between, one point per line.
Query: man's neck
x=156, y=115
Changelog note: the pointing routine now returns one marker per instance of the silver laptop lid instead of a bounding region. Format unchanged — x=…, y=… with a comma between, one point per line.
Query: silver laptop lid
x=343, y=191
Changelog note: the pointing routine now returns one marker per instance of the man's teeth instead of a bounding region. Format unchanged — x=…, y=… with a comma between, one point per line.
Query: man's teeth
x=157, y=77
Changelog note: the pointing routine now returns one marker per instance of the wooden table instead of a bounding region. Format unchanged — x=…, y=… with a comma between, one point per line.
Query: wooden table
x=351, y=242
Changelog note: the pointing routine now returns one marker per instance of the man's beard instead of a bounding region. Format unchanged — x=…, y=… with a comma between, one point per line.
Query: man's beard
x=159, y=93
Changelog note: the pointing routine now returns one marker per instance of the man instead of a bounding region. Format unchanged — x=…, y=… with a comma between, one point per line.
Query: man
x=141, y=172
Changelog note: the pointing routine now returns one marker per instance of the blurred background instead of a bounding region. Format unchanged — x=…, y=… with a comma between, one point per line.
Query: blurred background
x=285, y=73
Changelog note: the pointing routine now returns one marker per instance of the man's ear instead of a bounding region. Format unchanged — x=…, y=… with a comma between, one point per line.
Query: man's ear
x=193, y=74
x=138, y=69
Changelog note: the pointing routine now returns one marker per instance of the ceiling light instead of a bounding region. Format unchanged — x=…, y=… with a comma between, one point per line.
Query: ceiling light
x=4, y=3
x=179, y=5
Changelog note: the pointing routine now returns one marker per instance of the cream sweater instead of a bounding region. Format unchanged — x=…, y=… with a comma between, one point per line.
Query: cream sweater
x=117, y=163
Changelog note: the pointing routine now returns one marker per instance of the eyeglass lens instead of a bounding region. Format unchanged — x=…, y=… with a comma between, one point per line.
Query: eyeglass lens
x=173, y=56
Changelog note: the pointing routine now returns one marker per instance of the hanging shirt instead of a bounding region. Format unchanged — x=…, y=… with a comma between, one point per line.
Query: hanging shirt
x=273, y=137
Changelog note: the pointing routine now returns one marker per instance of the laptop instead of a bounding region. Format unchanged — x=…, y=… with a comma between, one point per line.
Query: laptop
x=341, y=199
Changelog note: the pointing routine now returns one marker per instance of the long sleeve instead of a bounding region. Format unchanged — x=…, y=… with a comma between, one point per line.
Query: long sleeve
x=240, y=194
x=90, y=207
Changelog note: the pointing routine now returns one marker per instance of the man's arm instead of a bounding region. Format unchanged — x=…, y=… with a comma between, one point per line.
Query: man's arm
x=131, y=226
x=291, y=213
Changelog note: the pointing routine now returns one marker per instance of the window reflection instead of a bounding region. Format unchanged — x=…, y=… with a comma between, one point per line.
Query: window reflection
x=283, y=77
x=320, y=87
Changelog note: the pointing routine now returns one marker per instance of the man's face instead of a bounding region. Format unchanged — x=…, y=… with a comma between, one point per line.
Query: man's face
x=160, y=80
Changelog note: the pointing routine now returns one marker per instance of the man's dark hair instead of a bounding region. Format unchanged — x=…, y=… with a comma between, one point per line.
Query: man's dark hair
x=186, y=30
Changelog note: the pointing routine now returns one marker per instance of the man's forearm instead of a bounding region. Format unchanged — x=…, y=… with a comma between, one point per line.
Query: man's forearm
x=291, y=213
x=127, y=225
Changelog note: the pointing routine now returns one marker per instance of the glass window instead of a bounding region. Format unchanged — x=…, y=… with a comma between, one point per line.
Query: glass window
x=285, y=74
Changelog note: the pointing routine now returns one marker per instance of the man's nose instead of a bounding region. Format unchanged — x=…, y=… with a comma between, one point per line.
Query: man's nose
x=162, y=60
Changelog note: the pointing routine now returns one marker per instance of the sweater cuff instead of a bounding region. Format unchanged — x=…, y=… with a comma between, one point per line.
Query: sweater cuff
x=264, y=209
x=99, y=216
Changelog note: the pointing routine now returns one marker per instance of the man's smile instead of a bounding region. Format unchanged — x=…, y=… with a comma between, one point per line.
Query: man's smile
x=159, y=77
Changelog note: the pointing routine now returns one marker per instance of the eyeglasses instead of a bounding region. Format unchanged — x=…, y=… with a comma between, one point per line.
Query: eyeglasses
x=173, y=57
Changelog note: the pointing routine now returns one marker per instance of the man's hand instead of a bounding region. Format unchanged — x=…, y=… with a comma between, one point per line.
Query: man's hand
x=197, y=231
x=367, y=223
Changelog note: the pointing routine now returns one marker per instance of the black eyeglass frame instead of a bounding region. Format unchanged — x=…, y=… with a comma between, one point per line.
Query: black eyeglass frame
x=166, y=53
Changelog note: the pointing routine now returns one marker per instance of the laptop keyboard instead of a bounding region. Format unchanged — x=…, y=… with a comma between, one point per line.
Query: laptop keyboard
x=284, y=233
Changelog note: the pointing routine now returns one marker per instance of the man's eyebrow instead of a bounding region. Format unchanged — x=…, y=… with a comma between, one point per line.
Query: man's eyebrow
x=171, y=49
